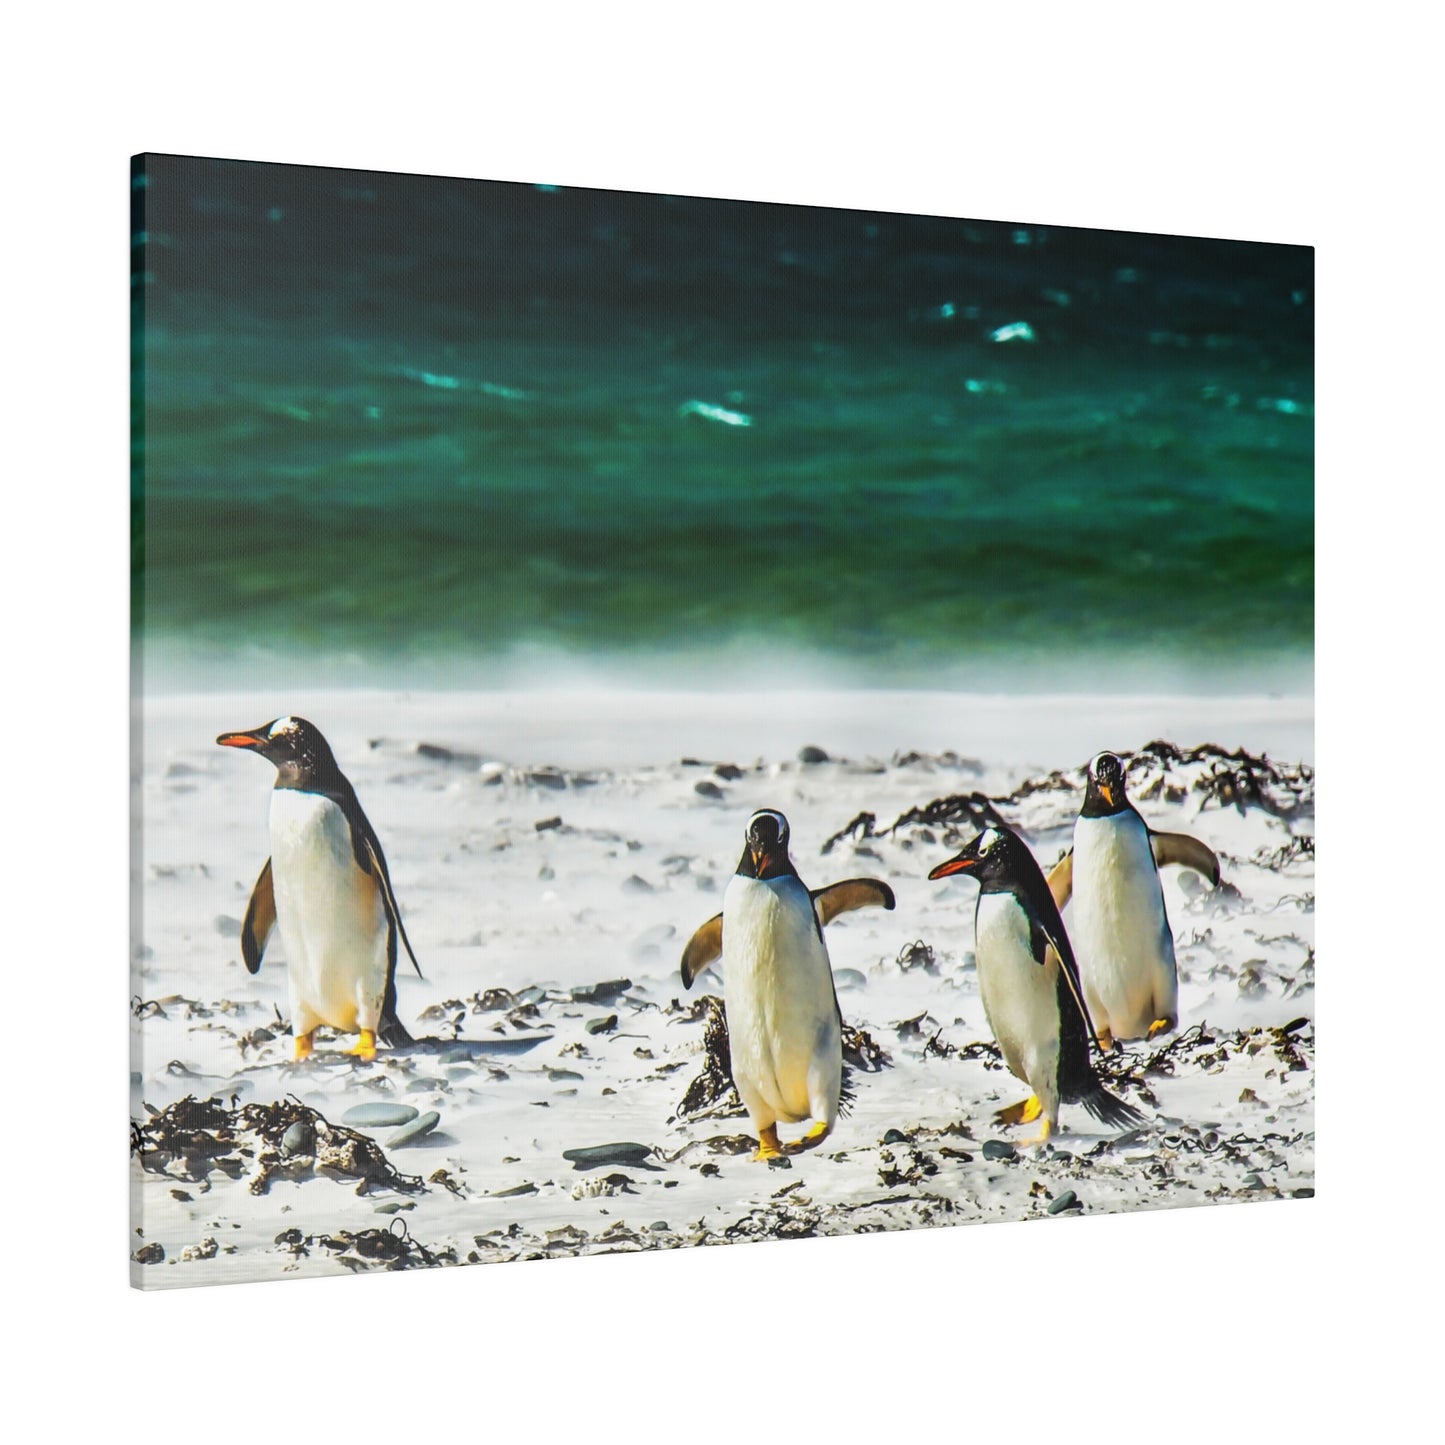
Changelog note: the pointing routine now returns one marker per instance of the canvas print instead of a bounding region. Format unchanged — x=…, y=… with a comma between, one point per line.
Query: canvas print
x=662, y=722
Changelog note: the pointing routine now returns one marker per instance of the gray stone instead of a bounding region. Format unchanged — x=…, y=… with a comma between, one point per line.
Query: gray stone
x=378, y=1116
x=812, y=754
x=706, y=788
x=850, y=978
x=1067, y=1200
x=596, y=1155
x=298, y=1139
x=602, y=1026
x=999, y=1149
x=416, y=1130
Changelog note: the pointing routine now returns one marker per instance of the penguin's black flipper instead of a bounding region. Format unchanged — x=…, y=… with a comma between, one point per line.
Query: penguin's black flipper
x=703, y=948
x=260, y=920
x=852, y=893
x=376, y=864
x=1111, y=1111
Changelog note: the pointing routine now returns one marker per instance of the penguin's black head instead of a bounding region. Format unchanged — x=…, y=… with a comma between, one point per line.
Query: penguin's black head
x=766, y=853
x=993, y=858
x=1104, y=793
x=297, y=748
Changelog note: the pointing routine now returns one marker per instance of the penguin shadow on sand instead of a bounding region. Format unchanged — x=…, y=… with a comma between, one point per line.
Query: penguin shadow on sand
x=784, y=1024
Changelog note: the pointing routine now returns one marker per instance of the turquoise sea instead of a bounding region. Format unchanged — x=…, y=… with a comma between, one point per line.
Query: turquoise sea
x=460, y=433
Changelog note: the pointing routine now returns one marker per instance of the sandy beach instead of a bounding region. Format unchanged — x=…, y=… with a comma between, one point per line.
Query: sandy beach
x=553, y=851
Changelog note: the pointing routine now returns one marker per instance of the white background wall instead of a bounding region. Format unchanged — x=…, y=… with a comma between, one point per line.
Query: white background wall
x=1261, y=122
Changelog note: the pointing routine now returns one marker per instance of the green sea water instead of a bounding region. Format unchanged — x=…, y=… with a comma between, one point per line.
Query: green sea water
x=456, y=432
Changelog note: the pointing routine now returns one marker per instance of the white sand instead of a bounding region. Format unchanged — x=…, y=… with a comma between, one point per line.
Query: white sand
x=491, y=902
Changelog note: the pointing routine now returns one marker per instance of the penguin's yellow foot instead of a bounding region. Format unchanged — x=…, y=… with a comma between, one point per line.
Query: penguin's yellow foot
x=1042, y=1137
x=810, y=1140
x=305, y=1043
x=768, y=1145
x=1024, y=1112
x=365, y=1047
x=1162, y=1026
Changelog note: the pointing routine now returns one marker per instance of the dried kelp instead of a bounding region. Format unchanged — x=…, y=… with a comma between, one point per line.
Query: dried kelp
x=1201, y=1047
x=1234, y=779
x=286, y=1139
x=973, y=810
x=712, y=1093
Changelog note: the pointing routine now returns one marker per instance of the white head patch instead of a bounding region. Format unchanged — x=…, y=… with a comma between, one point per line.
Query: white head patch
x=986, y=840
x=283, y=725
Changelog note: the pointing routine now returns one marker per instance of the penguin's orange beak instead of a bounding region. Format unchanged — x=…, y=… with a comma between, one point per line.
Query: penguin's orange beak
x=1108, y=793
x=961, y=864
x=762, y=859
x=240, y=740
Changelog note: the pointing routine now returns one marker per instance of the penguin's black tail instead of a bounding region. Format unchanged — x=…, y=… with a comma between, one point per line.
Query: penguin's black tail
x=392, y=1032
x=1111, y=1111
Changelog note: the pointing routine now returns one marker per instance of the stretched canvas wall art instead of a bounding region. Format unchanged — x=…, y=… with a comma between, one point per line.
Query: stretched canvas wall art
x=665, y=722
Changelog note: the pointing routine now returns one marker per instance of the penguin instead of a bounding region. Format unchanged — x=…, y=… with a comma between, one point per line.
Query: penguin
x=326, y=886
x=1126, y=946
x=1030, y=986
x=785, y=1029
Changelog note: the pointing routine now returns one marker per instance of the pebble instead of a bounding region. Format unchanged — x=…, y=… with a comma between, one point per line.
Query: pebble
x=417, y=1129
x=602, y=1026
x=595, y=1155
x=1067, y=1200
x=706, y=788
x=812, y=754
x=728, y=772
x=227, y=926
x=895, y=1136
x=999, y=1149
x=660, y=1226
x=606, y=992
x=298, y=1139
x=850, y=978
x=394, y=1206
x=149, y=1254
x=545, y=825
x=378, y=1116
x=636, y=884
x=559, y=1075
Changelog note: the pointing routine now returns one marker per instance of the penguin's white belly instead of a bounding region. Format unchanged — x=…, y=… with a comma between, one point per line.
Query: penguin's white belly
x=331, y=916
x=1020, y=996
x=783, y=1031
x=1119, y=928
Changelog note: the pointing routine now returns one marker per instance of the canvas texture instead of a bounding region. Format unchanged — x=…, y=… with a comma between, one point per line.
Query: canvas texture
x=663, y=722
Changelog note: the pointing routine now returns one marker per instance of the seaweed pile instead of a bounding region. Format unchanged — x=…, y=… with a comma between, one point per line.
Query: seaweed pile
x=283, y=1140
x=1201, y=1047
x=368, y=1249
x=1159, y=770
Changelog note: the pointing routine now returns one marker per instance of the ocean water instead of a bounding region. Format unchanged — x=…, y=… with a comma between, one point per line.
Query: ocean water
x=399, y=428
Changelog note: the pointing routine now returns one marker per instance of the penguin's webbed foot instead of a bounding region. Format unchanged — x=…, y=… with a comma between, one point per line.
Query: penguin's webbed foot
x=1162, y=1026
x=1042, y=1137
x=365, y=1047
x=1106, y=1040
x=305, y=1043
x=769, y=1146
x=1024, y=1112
x=810, y=1140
